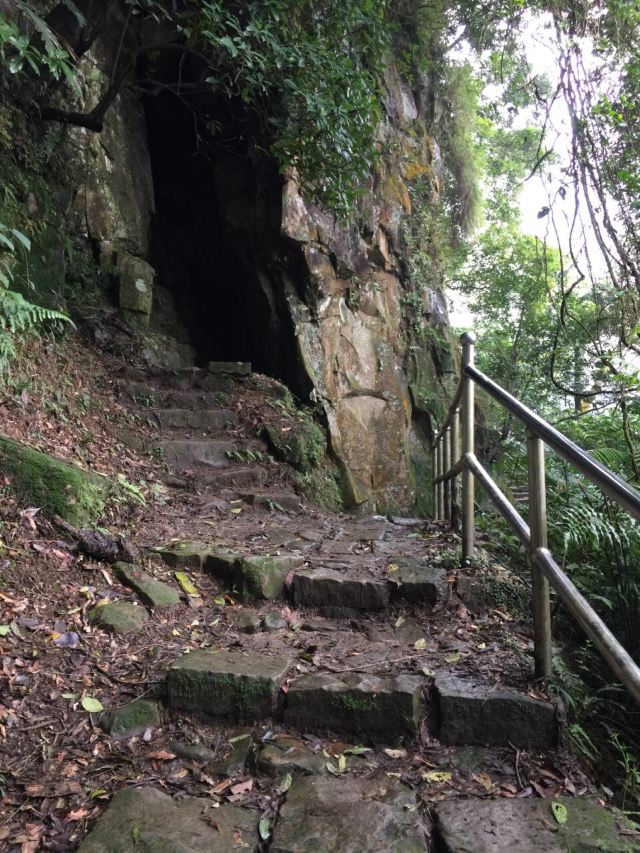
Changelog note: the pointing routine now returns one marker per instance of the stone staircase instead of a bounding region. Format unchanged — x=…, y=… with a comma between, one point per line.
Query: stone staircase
x=350, y=702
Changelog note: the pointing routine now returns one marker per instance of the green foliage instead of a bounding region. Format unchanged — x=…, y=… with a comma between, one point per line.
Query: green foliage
x=311, y=73
x=42, y=55
x=17, y=315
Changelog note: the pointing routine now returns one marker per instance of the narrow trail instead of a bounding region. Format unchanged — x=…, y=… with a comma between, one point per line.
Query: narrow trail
x=279, y=677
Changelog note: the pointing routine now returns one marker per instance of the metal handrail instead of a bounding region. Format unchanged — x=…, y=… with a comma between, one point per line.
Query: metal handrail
x=453, y=453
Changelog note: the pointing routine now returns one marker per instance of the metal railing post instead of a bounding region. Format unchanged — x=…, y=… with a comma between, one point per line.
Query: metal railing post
x=540, y=586
x=440, y=486
x=446, y=459
x=455, y=457
x=468, y=442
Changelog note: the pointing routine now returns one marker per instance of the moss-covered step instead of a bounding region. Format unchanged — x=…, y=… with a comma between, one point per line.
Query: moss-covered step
x=146, y=820
x=206, y=420
x=39, y=479
x=323, y=587
x=227, y=684
x=472, y=825
x=130, y=719
x=373, y=707
x=347, y=815
x=152, y=592
x=468, y=713
x=251, y=577
x=182, y=453
x=121, y=617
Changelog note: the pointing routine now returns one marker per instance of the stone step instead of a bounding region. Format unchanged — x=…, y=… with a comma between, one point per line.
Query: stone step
x=411, y=580
x=228, y=684
x=281, y=501
x=152, y=592
x=236, y=476
x=371, y=707
x=471, y=825
x=232, y=368
x=206, y=420
x=149, y=396
x=184, y=453
x=253, y=576
x=347, y=815
x=469, y=713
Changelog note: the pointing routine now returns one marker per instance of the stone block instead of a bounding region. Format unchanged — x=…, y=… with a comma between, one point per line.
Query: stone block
x=471, y=714
x=121, y=617
x=131, y=719
x=227, y=684
x=418, y=582
x=332, y=588
x=373, y=707
x=256, y=576
x=136, y=286
x=146, y=819
x=348, y=815
x=470, y=825
x=152, y=592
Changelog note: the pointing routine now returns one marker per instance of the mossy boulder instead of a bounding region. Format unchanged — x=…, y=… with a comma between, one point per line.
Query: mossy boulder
x=152, y=592
x=130, y=719
x=136, y=287
x=302, y=444
x=121, y=617
x=74, y=494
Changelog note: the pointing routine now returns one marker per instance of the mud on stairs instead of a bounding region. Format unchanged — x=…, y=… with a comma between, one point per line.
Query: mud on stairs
x=353, y=705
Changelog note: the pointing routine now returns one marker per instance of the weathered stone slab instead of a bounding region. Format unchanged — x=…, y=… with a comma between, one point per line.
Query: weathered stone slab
x=500, y=826
x=274, y=621
x=417, y=582
x=131, y=719
x=227, y=684
x=145, y=820
x=471, y=714
x=182, y=453
x=238, y=753
x=235, y=368
x=42, y=480
x=257, y=576
x=209, y=420
x=273, y=500
x=184, y=555
x=121, y=617
x=346, y=815
x=332, y=588
x=288, y=754
x=152, y=592
x=373, y=707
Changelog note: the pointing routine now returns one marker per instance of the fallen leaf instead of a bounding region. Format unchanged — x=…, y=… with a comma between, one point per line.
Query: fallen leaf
x=264, y=828
x=242, y=787
x=78, y=814
x=93, y=706
x=560, y=812
x=420, y=644
x=454, y=657
x=437, y=776
x=161, y=755
x=396, y=753
x=483, y=779
x=185, y=583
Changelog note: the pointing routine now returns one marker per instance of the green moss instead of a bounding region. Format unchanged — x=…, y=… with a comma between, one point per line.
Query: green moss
x=41, y=480
x=303, y=445
x=349, y=702
x=320, y=487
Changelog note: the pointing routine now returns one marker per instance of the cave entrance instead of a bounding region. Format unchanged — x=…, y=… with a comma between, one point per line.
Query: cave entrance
x=216, y=243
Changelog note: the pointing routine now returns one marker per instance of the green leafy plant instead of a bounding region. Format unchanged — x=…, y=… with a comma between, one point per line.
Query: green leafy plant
x=18, y=316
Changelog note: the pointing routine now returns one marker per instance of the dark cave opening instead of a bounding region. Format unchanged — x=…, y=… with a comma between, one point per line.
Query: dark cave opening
x=216, y=243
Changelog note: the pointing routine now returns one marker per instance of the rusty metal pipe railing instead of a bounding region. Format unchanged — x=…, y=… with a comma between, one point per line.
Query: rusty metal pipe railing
x=455, y=455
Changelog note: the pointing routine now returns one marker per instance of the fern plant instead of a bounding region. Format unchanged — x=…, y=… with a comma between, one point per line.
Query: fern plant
x=18, y=315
